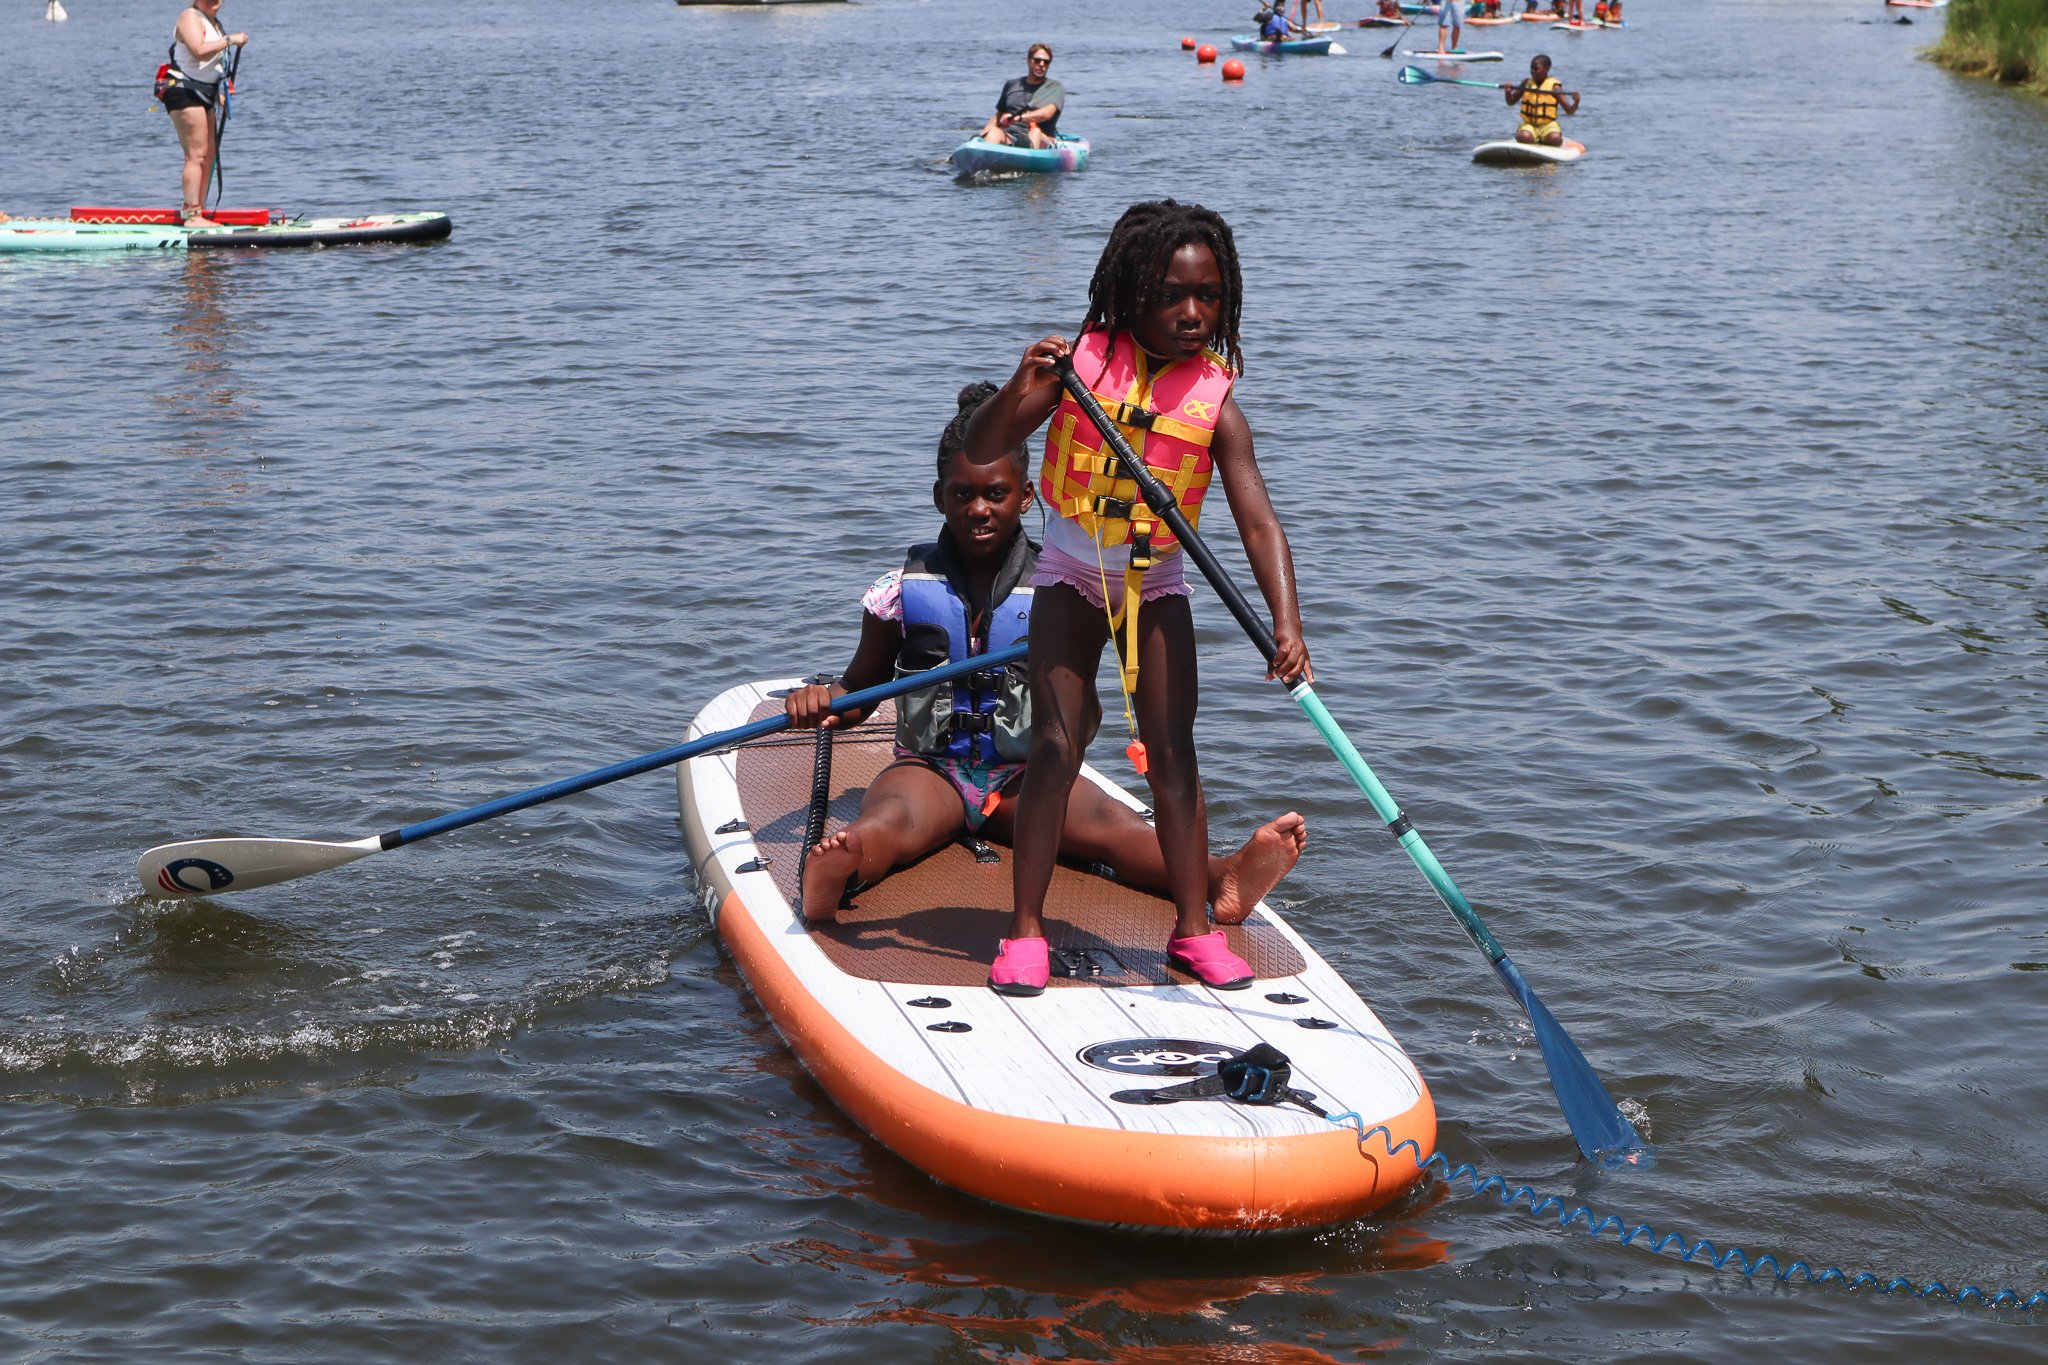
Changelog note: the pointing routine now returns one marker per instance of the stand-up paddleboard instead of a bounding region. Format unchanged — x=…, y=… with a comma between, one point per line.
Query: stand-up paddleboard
x=1483, y=21
x=1426, y=54
x=1917, y=4
x=1291, y=47
x=1068, y=153
x=1526, y=153
x=1579, y=28
x=159, y=230
x=1541, y=17
x=1038, y=1104
x=1328, y=26
x=1381, y=21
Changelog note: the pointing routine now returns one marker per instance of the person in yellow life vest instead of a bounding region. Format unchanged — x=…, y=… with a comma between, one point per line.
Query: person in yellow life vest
x=1541, y=99
x=1159, y=349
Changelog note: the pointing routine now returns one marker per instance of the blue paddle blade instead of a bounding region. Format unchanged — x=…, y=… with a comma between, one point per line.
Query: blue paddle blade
x=1414, y=75
x=1603, y=1133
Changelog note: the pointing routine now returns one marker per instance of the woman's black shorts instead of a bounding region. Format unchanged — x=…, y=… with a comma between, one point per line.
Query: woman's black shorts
x=184, y=96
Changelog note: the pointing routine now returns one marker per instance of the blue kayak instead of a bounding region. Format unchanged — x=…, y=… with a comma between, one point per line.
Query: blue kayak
x=1068, y=153
x=1292, y=47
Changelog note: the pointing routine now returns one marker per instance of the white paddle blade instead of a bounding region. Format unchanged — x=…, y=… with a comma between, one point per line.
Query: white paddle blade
x=210, y=867
x=1339, y=50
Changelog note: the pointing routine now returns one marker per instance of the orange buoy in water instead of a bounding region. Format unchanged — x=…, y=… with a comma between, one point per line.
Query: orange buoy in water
x=1205, y=54
x=1187, y=45
x=1233, y=70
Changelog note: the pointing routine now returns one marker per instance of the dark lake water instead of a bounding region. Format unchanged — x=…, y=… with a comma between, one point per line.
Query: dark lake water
x=1673, y=535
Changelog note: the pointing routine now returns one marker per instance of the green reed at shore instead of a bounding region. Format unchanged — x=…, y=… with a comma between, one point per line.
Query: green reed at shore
x=2006, y=40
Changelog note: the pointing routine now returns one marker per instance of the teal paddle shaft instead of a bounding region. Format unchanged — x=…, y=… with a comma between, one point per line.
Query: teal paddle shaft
x=1597, y=1124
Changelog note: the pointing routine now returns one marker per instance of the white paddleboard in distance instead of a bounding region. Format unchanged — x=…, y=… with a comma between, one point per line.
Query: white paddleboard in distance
x=1527, y=153
x=1426, y=54
x=1027, y=1102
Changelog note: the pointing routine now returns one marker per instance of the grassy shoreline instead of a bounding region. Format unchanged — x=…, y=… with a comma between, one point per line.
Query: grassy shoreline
x=2006, y=40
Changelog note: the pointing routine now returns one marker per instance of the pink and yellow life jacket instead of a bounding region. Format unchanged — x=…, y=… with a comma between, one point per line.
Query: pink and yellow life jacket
x=1169, y=418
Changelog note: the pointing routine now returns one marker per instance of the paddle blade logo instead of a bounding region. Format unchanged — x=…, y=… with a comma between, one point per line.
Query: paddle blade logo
x=173, y=878
x=1156, y=1056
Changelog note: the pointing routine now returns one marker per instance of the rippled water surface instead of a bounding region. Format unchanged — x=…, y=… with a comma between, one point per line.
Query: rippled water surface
x=1673, y=531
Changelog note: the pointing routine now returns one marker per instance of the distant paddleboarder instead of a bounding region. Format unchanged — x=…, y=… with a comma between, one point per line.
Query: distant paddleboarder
x=189, y=87
x=1451, y=15
x=1541, y=99
x=1028, y=111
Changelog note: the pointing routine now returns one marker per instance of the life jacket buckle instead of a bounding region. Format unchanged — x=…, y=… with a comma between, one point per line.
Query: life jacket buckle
x=1115, y=509
x=987, y=680
x=1141, y=550
x=974, y=722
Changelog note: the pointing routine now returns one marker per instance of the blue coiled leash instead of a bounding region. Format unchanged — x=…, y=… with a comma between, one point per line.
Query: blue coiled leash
x=1734, y=1258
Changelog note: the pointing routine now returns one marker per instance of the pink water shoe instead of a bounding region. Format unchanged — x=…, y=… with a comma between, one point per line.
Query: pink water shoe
x=1022, y=967
x=1207, y=958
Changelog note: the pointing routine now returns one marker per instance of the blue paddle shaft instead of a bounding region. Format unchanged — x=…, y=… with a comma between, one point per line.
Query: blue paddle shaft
x=704, y=744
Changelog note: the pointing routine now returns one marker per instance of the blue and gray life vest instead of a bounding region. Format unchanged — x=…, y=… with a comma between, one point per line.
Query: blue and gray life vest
x=983, y=718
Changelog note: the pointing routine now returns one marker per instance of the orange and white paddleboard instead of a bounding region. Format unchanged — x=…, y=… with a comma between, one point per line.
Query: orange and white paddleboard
x=1037, y=1103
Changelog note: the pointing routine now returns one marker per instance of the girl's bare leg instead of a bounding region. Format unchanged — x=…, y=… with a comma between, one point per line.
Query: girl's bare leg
x=1166, y=700
x=907, y=812
x=1067, y=635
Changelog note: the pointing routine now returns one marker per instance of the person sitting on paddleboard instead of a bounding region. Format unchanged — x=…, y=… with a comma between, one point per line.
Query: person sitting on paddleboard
x=1541, y=99
x=956, y=768
x=1390, y=9
x=1450, y=15
x=1028, y=111
x=1613, y=12
x=1166, y=289
x=190, y=89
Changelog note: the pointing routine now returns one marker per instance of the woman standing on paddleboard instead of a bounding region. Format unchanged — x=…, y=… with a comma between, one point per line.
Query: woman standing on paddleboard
x=1166, y=288
x=191, y=89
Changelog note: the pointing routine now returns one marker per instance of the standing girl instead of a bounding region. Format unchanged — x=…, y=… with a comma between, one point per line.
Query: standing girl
x=1159, y=348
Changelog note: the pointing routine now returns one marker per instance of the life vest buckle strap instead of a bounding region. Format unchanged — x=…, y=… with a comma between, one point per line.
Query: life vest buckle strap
x=987, y=680
x=1132, y=415
x=1116, y=509
x=974, y=722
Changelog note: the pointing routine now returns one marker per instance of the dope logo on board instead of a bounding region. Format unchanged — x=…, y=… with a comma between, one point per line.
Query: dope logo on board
x=1156, y=1056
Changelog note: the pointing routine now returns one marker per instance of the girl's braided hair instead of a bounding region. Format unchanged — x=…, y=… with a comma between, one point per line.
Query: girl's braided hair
x=1131, y=275
x=953, y=440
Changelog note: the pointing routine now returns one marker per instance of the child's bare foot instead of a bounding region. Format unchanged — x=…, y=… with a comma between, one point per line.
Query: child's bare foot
x=833, y=861
x=1242, y=880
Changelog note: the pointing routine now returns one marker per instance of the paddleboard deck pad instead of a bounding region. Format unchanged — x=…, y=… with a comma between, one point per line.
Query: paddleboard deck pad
x=1526, y=153
x=158, y=230
x=1068, y=153
x=1038, y=1103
